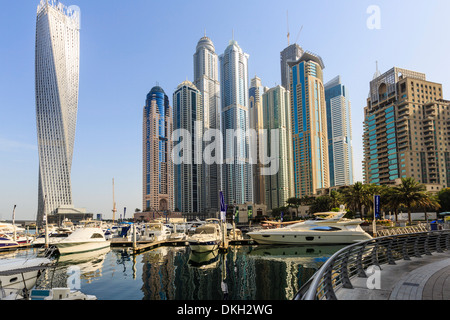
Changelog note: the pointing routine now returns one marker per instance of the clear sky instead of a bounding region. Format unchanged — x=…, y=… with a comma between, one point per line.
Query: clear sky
x=129, y=46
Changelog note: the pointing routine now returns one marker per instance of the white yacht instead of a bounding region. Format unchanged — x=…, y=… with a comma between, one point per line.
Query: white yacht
x=20, y=274
x=6, y=241
x=326, y=228
x=83, y=240
x=207, y=237
x=155, y=231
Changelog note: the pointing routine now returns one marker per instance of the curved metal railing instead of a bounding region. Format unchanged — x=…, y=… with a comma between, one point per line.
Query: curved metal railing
x=353, y=261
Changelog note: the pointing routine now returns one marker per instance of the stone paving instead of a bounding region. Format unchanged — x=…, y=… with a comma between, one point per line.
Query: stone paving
x=425, y=278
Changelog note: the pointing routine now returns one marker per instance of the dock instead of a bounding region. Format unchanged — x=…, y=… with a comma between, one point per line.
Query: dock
x=19, y=247
x=142, y=246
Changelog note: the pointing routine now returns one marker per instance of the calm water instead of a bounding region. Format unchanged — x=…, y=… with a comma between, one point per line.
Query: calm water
x=168, y=273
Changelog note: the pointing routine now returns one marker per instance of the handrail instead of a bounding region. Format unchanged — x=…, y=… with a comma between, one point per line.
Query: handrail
x=353, y=261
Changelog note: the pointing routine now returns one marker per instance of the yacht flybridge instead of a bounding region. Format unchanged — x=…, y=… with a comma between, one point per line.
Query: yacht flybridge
x=326, y=228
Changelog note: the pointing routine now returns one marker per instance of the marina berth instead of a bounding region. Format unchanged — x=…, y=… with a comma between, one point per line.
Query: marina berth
x=207, y=237
x=326, y=228
x=83, y=240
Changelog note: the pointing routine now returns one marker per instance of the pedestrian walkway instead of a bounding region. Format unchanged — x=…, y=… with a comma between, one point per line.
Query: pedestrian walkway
x=426, y=278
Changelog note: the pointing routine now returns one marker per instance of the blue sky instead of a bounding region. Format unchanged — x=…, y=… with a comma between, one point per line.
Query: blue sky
x=129, y=46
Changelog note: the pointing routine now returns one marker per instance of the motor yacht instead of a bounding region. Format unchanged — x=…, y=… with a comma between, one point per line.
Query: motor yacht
x=83, y=240
x=207, y=237
x=326, y=228
x=6, y=241
x=155, y=231
x=19, y=274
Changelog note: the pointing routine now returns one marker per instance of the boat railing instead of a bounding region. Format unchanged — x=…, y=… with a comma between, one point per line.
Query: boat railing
x=355, y=260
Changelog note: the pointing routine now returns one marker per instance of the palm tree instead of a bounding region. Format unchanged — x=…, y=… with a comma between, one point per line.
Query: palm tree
x=411, y=194
x=356, y=196
x=294, y=203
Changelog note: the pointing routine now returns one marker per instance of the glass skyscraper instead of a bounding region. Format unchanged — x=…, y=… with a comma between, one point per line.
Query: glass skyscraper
x=206, y=79
x=157, y=152
x=188, y=116
x=340, y=149
x=237, y=170
x=309, y=125
x=57, y=77
x=290, y=54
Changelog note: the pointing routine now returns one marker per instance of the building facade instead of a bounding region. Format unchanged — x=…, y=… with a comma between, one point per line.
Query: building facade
x=406, y=130
x=309, y=125
x=277, y=115
x=57, y=83
x=340, y=148
x=256, y=122
x=157, y=153
x=290, y=54
x=206, y=79
x=236, y=169
x=188, y=173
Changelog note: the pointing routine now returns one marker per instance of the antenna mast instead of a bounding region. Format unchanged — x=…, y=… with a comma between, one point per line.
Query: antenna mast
x=114, y=210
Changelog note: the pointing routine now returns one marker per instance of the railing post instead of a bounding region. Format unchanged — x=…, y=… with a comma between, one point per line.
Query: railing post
x=359, y=264
x=390, y=256
x=405, y=249
x=328, y=283
x=346, y=283
x=416, y=247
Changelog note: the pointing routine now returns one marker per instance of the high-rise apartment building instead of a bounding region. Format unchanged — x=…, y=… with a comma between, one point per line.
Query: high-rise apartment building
x=309, y=125
x=277, y=116
x=406, y=130
x=188, y=116
x=157, y=152
x=290, y=54
x=256, y=122
x=340, y=149
x=57, y=82
x=236, y=170
x=206, y=79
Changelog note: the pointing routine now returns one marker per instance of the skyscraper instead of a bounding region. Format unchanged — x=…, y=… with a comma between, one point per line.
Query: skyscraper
x=256, y=121
x=188, y=116
x=309, y=125
x=157, y=152
x=406, y=130
x=340, y=149
x=277, y=115
x=57, y=77
x=206, y=79
x=290, y=54
x=236, y=170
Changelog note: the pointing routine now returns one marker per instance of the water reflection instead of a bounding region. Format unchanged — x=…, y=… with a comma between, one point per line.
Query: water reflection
x=177, y=273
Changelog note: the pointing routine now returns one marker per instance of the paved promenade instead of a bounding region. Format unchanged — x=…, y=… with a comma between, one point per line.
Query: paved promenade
x=426, y=278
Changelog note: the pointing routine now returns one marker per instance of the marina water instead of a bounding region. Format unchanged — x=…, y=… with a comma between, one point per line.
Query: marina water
x=176, y=273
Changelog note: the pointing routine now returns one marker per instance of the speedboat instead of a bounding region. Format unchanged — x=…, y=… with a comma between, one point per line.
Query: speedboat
x=83, y=240
x=207, y=237
x=326, y=228
x=155, y=231
x=6, y=241
x=19, y=274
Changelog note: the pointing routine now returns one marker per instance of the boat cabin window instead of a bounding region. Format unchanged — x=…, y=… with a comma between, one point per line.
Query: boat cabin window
x=96, y=236
x=326, y=228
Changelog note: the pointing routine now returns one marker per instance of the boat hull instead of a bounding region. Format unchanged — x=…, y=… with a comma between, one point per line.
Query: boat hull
x=204, y=246
x=302, y=238
x=78, y=247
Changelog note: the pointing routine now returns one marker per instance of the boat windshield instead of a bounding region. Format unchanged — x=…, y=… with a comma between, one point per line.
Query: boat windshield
x=154, y=227
x=205, y=230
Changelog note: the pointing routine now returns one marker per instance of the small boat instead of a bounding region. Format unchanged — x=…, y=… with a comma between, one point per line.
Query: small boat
x=19, y=274
x=327, y=228
x=6, y=241
x=59, y=294
x=155, y=231
x=83, y=240
x=207, y=237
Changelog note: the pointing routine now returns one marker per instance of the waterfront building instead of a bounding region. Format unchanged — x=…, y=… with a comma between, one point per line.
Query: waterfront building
x=406, y=130
x=277, y=115
x=57, y=83
x=236, y=170
x=309, y=125
x=188, y=116
x=206, y=79
x=157, y=152
x=256, y=122
x=340, y=149
x=290, y=54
